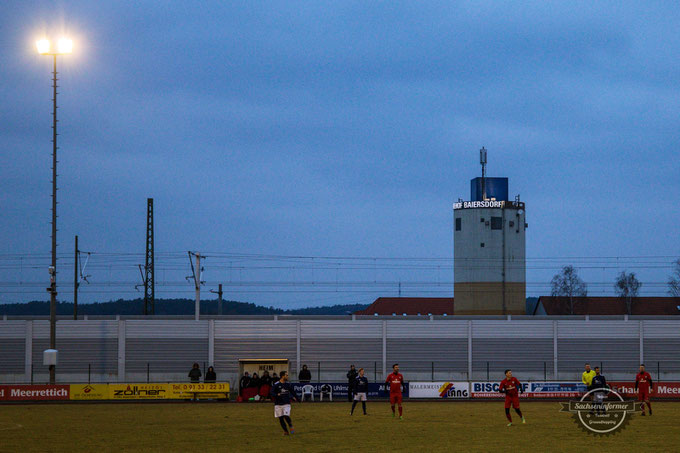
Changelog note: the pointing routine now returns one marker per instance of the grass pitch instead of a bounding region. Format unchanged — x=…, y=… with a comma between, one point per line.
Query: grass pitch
x=320, y=427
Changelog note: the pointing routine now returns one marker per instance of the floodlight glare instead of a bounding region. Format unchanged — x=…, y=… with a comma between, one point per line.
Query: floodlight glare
x=65, y=45
x=43, y=46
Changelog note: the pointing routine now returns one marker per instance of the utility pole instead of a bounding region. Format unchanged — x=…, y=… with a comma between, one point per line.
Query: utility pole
x=78, y=276
x=76, y=283
x=219, y=299
x=198, y=285
x=196, y=275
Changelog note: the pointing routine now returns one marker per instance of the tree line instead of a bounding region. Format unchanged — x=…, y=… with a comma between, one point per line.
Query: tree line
x=169, y=307
x=567, y=283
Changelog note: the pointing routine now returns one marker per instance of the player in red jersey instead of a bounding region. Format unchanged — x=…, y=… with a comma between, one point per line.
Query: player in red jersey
x=512, y=388
x=395, y=380
x=644, y=387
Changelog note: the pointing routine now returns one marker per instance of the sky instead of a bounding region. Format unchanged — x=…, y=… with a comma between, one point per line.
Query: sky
x=316, y=148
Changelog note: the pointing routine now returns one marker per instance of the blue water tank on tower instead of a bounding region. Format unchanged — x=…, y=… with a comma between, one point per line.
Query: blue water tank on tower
x=496, y=188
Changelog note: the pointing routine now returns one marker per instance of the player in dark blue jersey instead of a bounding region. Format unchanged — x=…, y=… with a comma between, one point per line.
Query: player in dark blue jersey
x=282, y=392
x=600, y=386
x=360, y=391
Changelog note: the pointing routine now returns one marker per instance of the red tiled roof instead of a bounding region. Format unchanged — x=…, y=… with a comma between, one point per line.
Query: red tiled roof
x=611, y=305
x=409, y=305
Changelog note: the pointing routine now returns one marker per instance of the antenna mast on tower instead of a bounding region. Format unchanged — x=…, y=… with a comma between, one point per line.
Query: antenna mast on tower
x=482, y=160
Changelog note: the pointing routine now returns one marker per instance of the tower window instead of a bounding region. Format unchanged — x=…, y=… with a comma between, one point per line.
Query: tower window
x=458, y=223
x=481, y=245
x=496, y=223
x=482, y=219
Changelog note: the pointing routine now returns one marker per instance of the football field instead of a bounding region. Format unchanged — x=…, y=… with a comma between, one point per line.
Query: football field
x=320, y=427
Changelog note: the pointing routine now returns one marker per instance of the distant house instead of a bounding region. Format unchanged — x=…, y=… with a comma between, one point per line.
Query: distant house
x=662, y=306
x=399, y=306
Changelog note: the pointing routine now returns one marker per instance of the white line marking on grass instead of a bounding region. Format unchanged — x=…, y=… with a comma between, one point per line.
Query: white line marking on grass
x=16, y=426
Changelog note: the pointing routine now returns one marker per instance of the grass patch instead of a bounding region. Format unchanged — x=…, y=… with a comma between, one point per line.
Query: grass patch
x=320, y=427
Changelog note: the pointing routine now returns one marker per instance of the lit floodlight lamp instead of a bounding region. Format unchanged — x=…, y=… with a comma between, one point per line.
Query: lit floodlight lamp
x=64, y=46
x=43, y=46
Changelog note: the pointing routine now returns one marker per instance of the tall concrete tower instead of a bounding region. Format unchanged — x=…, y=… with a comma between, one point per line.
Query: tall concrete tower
x=489, y=256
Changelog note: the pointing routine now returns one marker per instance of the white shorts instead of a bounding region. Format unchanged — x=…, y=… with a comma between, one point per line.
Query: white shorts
x=280, y=411
x=360, y=397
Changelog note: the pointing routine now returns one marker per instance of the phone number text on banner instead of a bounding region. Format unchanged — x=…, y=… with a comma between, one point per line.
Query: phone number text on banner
x=206, y=391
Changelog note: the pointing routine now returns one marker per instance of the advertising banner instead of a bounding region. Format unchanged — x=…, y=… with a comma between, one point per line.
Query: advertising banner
x=557, y=389
x=531, y=390
x=138, y=391
x=81, y=392
x=451, y=390
x=216, y=390
x=34, y=392
x=340, y=389
x=89, y=391
x=661, y=390
x=490, y=390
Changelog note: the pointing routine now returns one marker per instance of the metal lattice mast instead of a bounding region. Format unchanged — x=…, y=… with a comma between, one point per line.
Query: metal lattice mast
x=149, y=282
x=53, y=268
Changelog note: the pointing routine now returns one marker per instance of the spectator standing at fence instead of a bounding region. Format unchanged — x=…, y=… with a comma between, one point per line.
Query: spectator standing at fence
x=304, y=376
x=244, y=383
x=351, y=376
x=210, y=375
x=360, y=391
x=275, y=378
x=195, y=374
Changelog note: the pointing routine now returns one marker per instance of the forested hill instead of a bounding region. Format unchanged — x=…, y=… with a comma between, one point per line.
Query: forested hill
x=169, y=307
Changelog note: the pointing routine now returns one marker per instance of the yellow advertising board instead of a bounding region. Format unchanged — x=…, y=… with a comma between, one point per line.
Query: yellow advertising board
x=89, y=392
x=215, y=390
x=139, y=391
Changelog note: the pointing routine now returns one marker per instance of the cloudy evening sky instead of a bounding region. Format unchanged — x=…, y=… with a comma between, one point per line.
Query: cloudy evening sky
x=337, y=129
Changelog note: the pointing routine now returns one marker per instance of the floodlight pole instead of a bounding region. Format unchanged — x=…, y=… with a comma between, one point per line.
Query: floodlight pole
x=53, y=270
